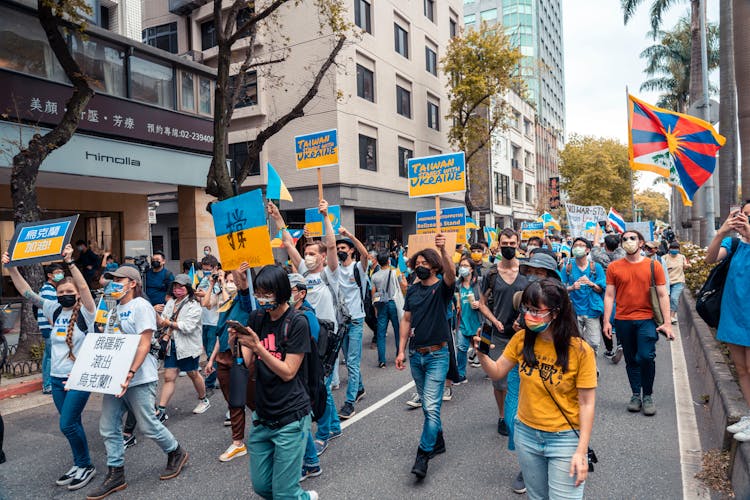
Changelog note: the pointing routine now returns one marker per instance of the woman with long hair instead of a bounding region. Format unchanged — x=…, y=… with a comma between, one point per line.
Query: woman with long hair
x=557, y=392
x=71, y=317
x=470, y=319
x=182, y=330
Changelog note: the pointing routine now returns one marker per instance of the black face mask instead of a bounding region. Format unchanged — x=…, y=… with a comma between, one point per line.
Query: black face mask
x=342, y=256
x=422, y=272
x=508, y=252
x=67, y=300
x=156, y=265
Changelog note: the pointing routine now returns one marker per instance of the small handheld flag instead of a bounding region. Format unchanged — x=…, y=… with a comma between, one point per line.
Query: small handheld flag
x=616, y=221
x=276, y=189
x=102, y=311
x=193, y=276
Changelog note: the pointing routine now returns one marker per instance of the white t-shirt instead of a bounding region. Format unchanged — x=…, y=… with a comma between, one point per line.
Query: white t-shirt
x=210, y=315
x=133, y=318
x=347, y=285
x=61, y=364
x=318, y=294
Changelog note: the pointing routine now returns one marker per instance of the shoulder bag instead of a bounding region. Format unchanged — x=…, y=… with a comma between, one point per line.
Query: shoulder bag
x=654, y=297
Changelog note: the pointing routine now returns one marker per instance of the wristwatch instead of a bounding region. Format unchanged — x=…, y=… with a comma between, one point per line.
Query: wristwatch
x=131, y=371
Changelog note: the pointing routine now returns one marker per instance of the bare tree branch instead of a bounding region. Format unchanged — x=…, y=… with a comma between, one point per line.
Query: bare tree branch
x=255, y=19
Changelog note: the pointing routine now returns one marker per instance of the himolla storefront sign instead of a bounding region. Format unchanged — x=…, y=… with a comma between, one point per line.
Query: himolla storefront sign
x=34, y=100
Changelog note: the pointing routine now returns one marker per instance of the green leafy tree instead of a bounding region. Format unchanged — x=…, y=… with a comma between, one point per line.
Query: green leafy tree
x=596, y=171
x=654, y=205
x=481, y=67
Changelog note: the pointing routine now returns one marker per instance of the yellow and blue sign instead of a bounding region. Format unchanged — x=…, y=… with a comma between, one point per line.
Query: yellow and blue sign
x=41, y=241
x=314, y=221
x=531, y=230
x=241, y=231
x=452, y=220
x=320, y=149
x=435, y=175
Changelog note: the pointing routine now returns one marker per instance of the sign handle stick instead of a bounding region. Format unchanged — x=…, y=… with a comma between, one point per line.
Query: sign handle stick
x=320, y=184
x=437, y=214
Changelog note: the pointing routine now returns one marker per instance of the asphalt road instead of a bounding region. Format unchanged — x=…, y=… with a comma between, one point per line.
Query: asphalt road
x=638, y=456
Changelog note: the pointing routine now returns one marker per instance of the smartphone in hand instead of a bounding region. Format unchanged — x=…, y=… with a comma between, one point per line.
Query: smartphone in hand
x=485, y=339
x=241, y=329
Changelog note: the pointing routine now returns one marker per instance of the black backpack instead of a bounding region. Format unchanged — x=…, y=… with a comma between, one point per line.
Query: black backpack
x=371, y=319
x=80, y=320
x=314, y=378
x=708, y=298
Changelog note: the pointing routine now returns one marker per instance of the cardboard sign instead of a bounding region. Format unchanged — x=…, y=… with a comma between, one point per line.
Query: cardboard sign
x=320, y=149
x=532, y=229
x=419, y=242
x=41, y=241
x=439, y=174
x=452, y=220
x=579, y=215
x=646, y=228
x=314, y=221
x=103, y=362
x=241, y=231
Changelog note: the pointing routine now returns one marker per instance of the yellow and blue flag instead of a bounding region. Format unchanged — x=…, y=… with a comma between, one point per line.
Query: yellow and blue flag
x=680, y=147
x=193, y=276
x=549, y=221
x=276, y=189
x=471, y=224
x=102, y=311
x=242, y=231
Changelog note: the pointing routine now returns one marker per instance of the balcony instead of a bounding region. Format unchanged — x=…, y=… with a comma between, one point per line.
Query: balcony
x=185, y=7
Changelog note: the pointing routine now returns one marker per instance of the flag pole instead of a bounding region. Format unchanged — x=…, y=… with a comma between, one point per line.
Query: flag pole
x=320, y=184
x=437, y=213
x=710, y=211
x=630, y=145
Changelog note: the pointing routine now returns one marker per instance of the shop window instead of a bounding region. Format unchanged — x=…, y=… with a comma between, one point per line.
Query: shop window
x=204, y=95
x=151, y=82
x=102, y=63
x=187, y=91
x=162, y=37
x=24, y=47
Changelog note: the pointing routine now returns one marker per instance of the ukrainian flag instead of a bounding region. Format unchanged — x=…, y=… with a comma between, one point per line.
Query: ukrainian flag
x=549, y=221
x=193, y=276
x=102, y=311
x=276, y=189
x=241, y=230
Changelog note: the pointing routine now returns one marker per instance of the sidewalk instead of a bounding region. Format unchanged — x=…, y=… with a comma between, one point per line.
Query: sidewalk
x=10, y=387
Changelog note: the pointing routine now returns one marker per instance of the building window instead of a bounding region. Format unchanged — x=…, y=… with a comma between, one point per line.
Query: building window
x=489, y=15
x=362, y=17
x=238, y=155
x=403, y=161
x=401, y=37
x=430, y=61
x=365, y=83
x=368, y=153
x=433, y=115
x=151, y=82
x=517, y=194
x=469, y=20
x=429, y=10
x=248, y=94
x=162, y=37
x=102, y=63
x=244, y=16
x=204, y=96
x=529, y=193
x=208, y=35
x=403, y=101
x=174, y=243
x=502, y=189
x=187, y=91
x=453, y=28
x=24, y=47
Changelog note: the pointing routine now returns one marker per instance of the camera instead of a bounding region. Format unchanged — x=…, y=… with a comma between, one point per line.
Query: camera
x=592, y=459
x=141, y=262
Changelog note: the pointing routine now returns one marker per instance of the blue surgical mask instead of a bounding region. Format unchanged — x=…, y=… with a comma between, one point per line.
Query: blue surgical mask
x=464, y=272
x=58, y=277
x=674, y=251
x=266, y=304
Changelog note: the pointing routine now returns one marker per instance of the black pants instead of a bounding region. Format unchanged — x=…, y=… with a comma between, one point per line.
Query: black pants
x=2, y=433
x=608, y=345
x=130, y=423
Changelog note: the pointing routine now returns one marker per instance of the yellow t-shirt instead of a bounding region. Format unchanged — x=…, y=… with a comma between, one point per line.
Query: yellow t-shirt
x=535, y=407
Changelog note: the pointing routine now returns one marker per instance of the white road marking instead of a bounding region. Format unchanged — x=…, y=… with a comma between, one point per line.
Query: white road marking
x=691, y=453
x=362, y=414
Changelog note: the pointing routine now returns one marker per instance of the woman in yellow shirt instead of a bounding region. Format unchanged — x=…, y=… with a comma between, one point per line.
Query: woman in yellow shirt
x=557, y=392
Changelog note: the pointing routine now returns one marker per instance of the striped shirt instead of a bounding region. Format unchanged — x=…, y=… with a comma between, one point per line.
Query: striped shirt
x=46, y=292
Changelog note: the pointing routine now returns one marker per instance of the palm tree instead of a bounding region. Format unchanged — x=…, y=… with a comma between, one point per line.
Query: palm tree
x=741, y=16
x=727, y=111
x=668, y=64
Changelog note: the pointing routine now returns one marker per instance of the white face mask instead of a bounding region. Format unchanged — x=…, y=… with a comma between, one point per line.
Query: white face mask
x=230, y=288
x=311, y=261
x=578, y=252
x=630, y=246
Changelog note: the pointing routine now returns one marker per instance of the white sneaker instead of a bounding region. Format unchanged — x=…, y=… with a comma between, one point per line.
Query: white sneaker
x=448, y=393
x=740, y=425
x=313, y=494
x=233, y=451
x=415, y=401
x=183, y=374
x=743, y=436
x=68, y=477
x=204, y=405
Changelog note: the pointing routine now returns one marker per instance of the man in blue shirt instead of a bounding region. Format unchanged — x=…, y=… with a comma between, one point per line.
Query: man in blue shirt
x=586, y=282
x=48, y=291
x=158, y=280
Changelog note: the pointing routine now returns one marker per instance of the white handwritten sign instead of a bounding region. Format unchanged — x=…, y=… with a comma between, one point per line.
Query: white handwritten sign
x=103, y=362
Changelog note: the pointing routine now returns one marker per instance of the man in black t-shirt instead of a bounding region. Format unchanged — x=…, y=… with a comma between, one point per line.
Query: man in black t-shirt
x=425, y=329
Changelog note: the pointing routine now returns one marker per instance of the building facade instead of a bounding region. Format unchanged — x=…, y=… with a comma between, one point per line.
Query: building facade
x=386, y=98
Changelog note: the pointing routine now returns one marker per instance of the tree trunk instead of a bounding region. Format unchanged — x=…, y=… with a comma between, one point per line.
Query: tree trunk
x=727, y=112
x=218, y=183
x=696, y=213
x=741, y=18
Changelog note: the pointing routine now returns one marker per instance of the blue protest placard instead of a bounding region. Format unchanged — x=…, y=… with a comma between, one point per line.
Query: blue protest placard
x=452, y=220
x=41, y=241
x=241, y=230
x=314, y=221
x=435, y=175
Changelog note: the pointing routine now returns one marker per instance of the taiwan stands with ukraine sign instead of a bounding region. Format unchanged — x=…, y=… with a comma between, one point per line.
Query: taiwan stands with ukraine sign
x=452, y=220
x=41, y=241
x=436, y=175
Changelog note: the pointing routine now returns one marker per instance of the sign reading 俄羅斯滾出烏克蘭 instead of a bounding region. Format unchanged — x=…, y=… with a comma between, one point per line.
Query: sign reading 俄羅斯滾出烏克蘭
x=452, y=220
x=103, y=362
x=436, y=175
x=41, y=241
x=320, y=149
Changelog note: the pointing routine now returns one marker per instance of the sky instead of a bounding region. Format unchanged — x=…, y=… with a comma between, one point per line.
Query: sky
x=602, y=58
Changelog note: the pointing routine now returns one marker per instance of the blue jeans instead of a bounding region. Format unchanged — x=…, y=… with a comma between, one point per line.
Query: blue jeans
x=140, y=401
x=70, y=405
x=353, y=350
x=510, y=410
x=46, y=361
x=276, y=459
x=329, y=423
x=675, y=290
x=462, y=347
x=429, y=372
x=545, y=462
x=386, y=312
x=209, y=339
x=639, y=347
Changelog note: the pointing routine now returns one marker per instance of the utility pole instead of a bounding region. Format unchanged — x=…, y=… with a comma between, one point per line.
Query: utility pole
x=710, y=211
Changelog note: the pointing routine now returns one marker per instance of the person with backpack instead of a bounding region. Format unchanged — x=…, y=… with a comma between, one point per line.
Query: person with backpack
x=734, y=322
x=676, y=263
x=55, y=273
x=71, y=317
x=158, y=280
x=386, y=286
x=277, y=341
x=585, y=281
x=610, y=252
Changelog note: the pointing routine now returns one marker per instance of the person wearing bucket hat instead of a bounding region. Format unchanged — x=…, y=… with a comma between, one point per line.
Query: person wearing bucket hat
x=181, y=328
x=540, y=265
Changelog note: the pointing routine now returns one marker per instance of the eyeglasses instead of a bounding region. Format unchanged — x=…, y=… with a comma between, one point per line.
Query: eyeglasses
x=630, y=238
x=537, y=313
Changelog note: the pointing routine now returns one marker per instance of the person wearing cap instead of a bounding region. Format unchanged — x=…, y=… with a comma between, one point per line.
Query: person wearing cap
x=134, y=315
x=676, y=263
x=481, y=266
x=651, y=248
x=586, y=281
x=181, y=328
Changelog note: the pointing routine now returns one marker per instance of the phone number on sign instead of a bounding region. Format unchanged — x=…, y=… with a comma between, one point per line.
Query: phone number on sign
x=195, y=136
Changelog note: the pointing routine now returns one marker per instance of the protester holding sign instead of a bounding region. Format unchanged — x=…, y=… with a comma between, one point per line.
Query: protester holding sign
x=134, y=315
x=71, y=317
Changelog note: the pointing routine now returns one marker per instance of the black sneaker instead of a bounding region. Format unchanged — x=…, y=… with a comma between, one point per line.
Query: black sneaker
x=176, y=460
x=161, y=414
x=381, y=365
x=68, y=477
x=519, y=486
x=115, y=481
x=360, y=394
x=82, y=478
x=129, y=441
x=608, y=354
x=420, y=464
x=347, y=411
x=2, y=457
x=502, y=427
x=618, y=355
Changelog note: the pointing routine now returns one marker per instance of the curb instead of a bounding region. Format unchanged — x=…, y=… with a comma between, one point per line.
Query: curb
x=21, y=388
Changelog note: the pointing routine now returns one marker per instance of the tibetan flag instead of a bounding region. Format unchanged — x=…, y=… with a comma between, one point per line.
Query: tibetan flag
x=193, y=276
x=471, y=224
x=276, y=189
x=616, y=221
x=102, y=311
x=680, y=147
x=241, y=230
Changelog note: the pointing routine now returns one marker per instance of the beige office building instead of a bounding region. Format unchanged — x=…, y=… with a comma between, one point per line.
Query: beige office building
x=386, y=97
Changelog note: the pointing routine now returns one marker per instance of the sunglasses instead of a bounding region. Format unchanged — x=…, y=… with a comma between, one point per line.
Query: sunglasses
x=630, y=238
